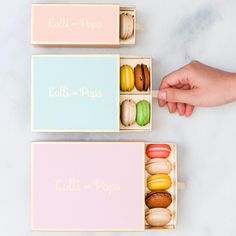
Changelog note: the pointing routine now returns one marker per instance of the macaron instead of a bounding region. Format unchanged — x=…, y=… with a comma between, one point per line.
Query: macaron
x=126, y=78
x=158, y=216
x=126, y=26
x=142, y=77
x=159, y=182
x=158, y=150
x=158, y=166
x=158, y=199
x=128, y=112
x=143, y=113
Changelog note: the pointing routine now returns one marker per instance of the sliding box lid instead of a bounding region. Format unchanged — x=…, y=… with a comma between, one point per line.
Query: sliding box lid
x=78, y=24
x=87, y=186
x=75, y=93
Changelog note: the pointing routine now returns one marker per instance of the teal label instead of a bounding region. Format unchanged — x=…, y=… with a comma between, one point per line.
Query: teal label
x=75, y=93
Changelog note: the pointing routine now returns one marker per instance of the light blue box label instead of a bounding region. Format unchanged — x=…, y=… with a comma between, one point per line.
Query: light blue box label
x=75, y=93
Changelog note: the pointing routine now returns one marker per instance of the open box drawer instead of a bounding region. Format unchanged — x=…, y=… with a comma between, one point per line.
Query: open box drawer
x=89, y=186
x=97, y=25
x=83, y=93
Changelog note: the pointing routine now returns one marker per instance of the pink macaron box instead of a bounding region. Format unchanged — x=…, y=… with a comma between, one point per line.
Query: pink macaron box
x=82, y=24
x=99, y=186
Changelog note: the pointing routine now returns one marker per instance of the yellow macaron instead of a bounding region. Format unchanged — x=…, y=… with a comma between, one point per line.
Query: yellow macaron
x=126, y=78
x=159, y=182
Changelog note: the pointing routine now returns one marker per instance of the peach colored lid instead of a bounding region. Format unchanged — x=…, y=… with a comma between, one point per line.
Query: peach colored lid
x=75, y=24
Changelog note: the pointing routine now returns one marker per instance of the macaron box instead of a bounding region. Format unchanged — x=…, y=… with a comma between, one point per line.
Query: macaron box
x=95, y=25
x=91, y=93
x=134, y=188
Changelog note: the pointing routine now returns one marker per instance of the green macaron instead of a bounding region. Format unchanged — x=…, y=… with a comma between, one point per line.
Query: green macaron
x=142, y=113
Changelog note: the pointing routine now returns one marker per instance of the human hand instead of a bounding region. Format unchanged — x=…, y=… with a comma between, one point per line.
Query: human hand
x=196, y=84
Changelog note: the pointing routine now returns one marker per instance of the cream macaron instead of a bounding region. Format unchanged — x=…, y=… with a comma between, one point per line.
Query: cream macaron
x=158, y=216
x=158, y=166
x=128, y=112
x=126, y=26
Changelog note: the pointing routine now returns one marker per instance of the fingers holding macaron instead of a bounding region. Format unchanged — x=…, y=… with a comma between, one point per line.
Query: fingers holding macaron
x=173, y=93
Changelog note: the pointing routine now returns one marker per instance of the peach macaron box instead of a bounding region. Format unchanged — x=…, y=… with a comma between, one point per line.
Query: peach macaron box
x=98, y=25
x=70, y=193
x=91, y=93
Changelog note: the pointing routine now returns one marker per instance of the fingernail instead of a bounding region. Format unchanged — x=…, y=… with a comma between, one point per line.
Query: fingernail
x=162, y=95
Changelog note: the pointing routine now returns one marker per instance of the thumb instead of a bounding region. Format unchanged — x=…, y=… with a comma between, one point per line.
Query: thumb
x=176, y=95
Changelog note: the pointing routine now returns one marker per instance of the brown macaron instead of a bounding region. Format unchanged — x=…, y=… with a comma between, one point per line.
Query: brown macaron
x=158, y=199
x=142, y=77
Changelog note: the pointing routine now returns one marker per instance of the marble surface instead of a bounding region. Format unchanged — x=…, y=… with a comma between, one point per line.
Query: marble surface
x=175, y=32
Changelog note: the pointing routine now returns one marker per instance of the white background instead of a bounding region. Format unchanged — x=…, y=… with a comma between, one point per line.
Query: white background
x=175, y=33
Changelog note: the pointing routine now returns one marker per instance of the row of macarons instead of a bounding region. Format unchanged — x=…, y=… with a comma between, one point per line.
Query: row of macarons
x=158, y=182
x=131, y=112
x=137, y=77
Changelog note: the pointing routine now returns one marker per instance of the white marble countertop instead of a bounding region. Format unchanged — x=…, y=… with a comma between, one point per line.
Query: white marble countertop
x=175, y=32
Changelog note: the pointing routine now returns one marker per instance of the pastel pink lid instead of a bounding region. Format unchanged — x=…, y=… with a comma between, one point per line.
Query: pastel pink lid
x=77, y=24
x=87, y=186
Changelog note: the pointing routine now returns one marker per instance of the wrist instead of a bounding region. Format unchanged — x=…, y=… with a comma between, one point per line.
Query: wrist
x=232, y=86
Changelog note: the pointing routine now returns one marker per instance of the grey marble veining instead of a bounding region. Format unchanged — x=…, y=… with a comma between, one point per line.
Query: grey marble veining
x=175, y=33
